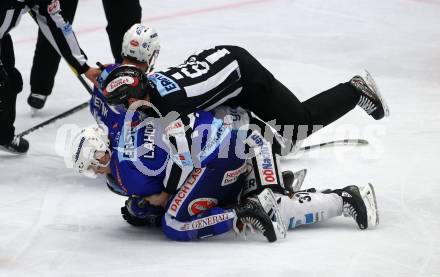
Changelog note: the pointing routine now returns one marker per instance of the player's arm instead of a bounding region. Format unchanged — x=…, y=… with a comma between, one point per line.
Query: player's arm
x=60, y=34
x=180, y=163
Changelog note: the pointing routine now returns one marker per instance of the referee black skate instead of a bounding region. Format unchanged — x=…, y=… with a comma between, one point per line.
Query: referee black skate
x=49, y=16
x=231, y=75
x=120, y=15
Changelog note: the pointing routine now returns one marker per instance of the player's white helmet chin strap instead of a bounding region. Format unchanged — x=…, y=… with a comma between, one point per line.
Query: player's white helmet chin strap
x=88, y=147
x=142, y=44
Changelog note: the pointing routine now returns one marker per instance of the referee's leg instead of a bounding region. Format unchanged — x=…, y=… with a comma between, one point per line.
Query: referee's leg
x=12, y=84
x=121, y=15
x=270, y=99
x=46, y=59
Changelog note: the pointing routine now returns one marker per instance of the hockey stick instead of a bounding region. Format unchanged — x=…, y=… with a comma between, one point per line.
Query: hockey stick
x=68, y=112
x=53, y=119
x=347, y=142
x=64, y=114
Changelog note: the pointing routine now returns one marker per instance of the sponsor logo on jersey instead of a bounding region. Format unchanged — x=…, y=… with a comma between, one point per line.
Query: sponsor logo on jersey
x=184, y=191
x=134, y=43
x=221, y=131
x=53, y=7
x=201, y=204
x=148, y=145
x=207, y=221
x=233, y=175
x=116, y=83
x=164, y=84
x=266, y=165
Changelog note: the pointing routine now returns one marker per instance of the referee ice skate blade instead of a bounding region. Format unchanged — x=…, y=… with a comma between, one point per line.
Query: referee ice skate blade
x=35, y=112
x=376, y=89
x=369, y=197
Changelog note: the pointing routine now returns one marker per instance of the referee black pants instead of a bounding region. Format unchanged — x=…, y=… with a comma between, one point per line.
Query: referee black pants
x=121, y=15
x=269, y=99
x=11, y=85
x=46, y=58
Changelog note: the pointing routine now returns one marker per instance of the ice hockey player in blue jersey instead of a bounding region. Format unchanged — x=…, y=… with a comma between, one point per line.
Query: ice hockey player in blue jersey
x=202, y=190
x=204, y=184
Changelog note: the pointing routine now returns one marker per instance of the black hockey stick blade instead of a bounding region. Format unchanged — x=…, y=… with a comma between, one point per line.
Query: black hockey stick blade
x=55, y=118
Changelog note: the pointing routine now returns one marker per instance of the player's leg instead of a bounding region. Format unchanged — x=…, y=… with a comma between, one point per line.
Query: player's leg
x=309, y=206
x=269, y=99
x=46, y=61
x=121, y=15
x=195, y=212
x=11, y=84
x=206, y=205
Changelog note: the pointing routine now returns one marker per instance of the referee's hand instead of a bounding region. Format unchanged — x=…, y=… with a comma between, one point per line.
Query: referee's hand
x=92, y=74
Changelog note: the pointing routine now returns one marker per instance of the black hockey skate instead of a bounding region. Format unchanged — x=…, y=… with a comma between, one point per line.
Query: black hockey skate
x=353, y=206
x=293, y=180
x=371, y=100
x=36, y=100
x=250, y=214
x=18, y=145
x=288, y=178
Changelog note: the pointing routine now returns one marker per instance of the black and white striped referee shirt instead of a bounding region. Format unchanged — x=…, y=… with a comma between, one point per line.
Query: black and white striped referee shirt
x=206, y=80
x=48, y=15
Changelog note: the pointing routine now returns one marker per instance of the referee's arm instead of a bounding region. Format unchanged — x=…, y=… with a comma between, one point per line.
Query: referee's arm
x=60, y=34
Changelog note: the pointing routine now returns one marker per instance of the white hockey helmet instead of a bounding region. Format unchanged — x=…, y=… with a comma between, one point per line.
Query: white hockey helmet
x=142, y=44
x=87, y=148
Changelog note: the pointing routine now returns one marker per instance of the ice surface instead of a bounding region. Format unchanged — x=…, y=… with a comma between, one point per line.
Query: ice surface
x=55, y=223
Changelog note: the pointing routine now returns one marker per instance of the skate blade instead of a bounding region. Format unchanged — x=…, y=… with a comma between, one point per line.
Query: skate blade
x=369, y=79
x=269, y=203
x=298, y=179
x=34, y=112
x=369, y=197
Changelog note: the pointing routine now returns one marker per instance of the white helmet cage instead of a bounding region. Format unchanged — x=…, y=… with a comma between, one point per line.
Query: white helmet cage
x=141, y=43
x=85, y=147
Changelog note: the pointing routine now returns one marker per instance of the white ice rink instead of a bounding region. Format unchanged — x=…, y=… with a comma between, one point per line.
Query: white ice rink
x=56, y=223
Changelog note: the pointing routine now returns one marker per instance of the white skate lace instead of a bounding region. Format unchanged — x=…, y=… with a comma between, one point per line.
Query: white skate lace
x=349, y=210
x=367, y=104
x=16, y=141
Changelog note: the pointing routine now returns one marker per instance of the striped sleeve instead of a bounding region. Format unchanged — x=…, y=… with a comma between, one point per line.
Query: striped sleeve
x=60, y=34
x=180, y=164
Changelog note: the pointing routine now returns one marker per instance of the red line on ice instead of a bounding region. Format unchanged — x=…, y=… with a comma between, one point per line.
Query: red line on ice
x=165, y=16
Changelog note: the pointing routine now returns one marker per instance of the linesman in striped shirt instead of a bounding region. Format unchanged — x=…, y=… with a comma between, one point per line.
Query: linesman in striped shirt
x=49, y=17
x=231, y=75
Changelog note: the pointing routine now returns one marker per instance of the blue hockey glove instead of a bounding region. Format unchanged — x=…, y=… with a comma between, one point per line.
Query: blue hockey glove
x=138, y=212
